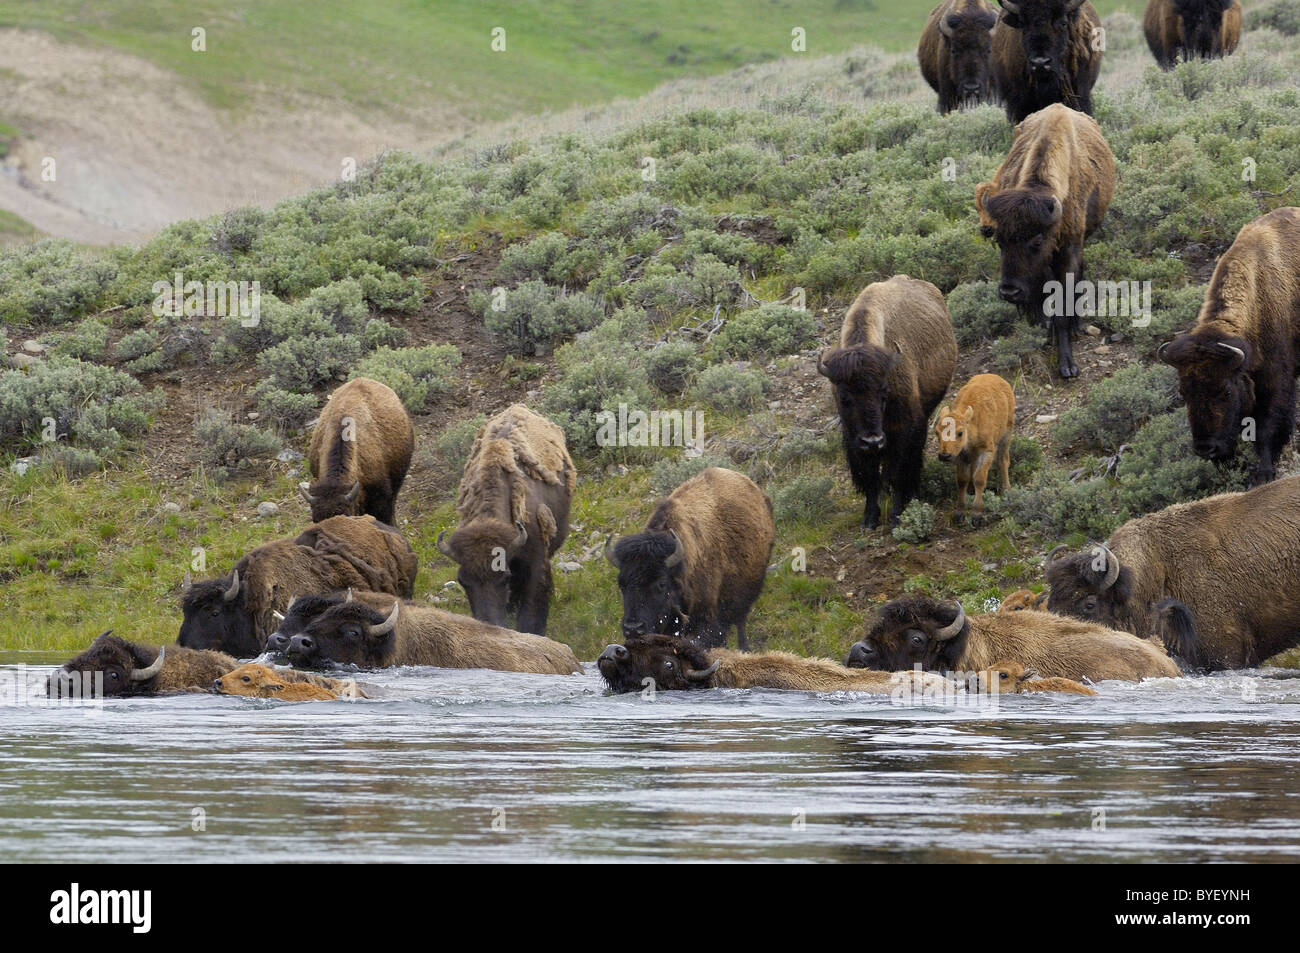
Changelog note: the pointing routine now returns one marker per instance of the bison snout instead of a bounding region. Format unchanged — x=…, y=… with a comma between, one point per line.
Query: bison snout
x=971, y=88
x=871, y=441
x=613, y=653
x=632, y=628
x=301, y=646
x=216, y=685
x=861, y=655
x=277, y=643
x=946, y=457
x=1040, y=64
x=1015, y=293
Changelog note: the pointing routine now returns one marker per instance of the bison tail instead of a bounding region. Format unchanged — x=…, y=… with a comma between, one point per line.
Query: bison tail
x=1177, y=628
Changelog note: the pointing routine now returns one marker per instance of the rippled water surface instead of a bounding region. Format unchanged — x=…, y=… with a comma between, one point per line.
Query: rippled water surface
x=478, y=766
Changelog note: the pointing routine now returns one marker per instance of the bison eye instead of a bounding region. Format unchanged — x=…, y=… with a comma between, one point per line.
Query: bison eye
x=1002, y=674
x=668, y=665
x=113, y=676
x=1090, y=604
x=247, y=679
x=917, y=640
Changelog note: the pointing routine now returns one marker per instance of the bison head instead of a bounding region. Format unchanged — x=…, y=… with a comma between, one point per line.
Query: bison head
x=484, y=551
x=348, y=633
x=967, y=36
x=1024, y=599
x=649, y=568
x=953, y=430
x=1092, y=586
x=1044, y=27
x=332, y=498
x=215, y=615
x=914, y=630
x=1026, y=224
x=671, y=662
x=252, y=681
x=1202, y=24
x=860, y=375
x=1214, y=380
x=298, y=615
x=128, y=669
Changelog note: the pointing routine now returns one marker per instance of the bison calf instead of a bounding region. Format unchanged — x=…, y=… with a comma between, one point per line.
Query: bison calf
x=1188, y=29
x=975, y=433
x=954, y=52
x=1237, y=366
x=894, y=363
x=1050, y=193
x=700, y=563
x=360, y=451
x=1012, y=678
x=258, y=681
x=672, y=663
x=132, y=669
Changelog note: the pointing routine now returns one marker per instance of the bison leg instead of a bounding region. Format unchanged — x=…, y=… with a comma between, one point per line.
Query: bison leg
x=535, y=600
x=982, y=464
x=741, y=642
x=1275, y=429
x=1004, y=464
x=905, y=477
x=1064, y=351
x=963, y=483
x=871, y=510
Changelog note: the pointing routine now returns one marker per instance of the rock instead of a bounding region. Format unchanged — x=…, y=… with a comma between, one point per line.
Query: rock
x=774, y=405
x=33, y=347
x=1045, y=418
x=1093, y=331
x=288, y=455
x=22, y=465
x=989, y=567
x=171, y=507
x=450, y=584
x=254, y=415
x=568, y=567
x=23, y=361
x=267, y=508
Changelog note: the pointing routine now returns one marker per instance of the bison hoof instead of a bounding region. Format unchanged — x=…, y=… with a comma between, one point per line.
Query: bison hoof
x=1259, y=478
x=1069, y=370
x=977, y=519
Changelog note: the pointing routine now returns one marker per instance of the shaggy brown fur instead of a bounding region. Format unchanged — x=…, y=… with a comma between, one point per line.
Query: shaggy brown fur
x=908, y=633
x=1242, y=356
x=513, y=506
x=182, y=669
x=675, y=663
x=1013, y=678
x=954, y=52
x=895, y=361
x=360, y=451
x=422, y=635
x=1217, y=580
x=975, y=432
x=1187, y=29
x=341, y=552
x=723, y=523
x=258, y=681
x=1050, y=193
x=1031, y=31
x=1024, y=599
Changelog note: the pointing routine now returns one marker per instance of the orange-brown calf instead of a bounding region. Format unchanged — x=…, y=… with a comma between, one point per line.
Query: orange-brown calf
x=1024, y=599
x=1013, y=678
x=258, y=681
x=975, y=432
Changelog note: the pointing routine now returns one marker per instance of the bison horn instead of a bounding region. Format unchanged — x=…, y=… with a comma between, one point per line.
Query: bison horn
x=676, y=555
x=1073, y=5
x=349, y=598
x=144, y=674
x=1051, y=557
x=1240, y=354
x=279, y=616
x=306, y=495
x=1009, y=6
x=821, y=365
x=610, y=556
x=1112, y=568
x=702, y=675
x=289, y=607
x=1160, y=352
x=945, y=27
x=444, y=548
x=187, y=582
x=953, y=630
x=233, y=591
x=352, y=493
x=521, y=538
x=387, y=625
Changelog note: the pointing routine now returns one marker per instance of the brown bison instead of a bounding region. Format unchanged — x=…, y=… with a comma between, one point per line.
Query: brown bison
x=699, y=564
x=918, y=630
x=672, y=663
x=513, y=506
x=1011, y=678
x=1237, y=366
x=1217, y=580
x=1188, y=29
x=258, y=681
x=360, y=451
x=896, y=358
x=975, y=432
x=132, y=669
x=236, y=613
x=374, y=630
x=1044, y=52
x=954, y=52
x=1050, y=193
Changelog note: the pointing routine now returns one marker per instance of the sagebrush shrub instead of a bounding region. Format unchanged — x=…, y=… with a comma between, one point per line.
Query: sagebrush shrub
x=915, y=523
x=532, y=317
x=223, y=442
x=416, y=374
x=767, y=331
x=87, y=341
x=670, y=473
x=1117, y=407
x=804, y=499
x=730, y=389
x=671, y=365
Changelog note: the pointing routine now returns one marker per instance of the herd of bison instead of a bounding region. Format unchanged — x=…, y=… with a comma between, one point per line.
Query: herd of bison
x=1203, y=586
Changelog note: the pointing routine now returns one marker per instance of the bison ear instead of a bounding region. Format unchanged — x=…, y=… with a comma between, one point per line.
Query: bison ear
x=970, y=412
x=821, y=364
x=1053, y=210
x=274, y=686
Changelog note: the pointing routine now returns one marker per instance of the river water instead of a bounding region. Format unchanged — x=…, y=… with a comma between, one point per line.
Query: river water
x=448, y=765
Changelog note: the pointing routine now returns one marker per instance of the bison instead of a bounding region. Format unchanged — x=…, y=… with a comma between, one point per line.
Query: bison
x=918, y=630
x=700, y=563
x=954, y=52
x=1237, y=366
x=975, y=432
x=360, y=451
x=131, y=669
x=1024, y=599
x=374, y=631
x=1216, y=580
x=895, y=360
x=1012, y=678
x=258, y=681
x=1050, y=193
x=1044, y=52
x=1204, y=29
x=236, y=613
x=673, y=663
x=513, y=506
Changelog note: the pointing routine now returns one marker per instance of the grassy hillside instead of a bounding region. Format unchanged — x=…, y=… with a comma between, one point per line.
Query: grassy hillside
x=671, y=290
